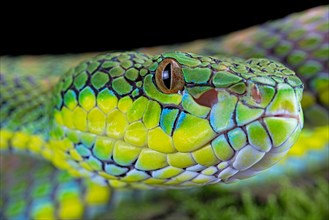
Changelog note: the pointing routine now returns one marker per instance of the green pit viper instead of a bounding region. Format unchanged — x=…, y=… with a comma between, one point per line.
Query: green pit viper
x=171, y=120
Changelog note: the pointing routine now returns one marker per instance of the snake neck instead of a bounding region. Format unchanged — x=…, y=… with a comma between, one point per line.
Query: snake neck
x=25, y=111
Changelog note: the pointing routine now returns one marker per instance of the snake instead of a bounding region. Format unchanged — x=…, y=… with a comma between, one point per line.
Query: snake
x=220, y=110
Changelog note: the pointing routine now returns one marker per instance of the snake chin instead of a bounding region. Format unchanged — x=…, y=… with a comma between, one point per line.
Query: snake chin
x=256, y=146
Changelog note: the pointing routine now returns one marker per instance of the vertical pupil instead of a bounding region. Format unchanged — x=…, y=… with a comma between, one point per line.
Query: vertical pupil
x=166, y=76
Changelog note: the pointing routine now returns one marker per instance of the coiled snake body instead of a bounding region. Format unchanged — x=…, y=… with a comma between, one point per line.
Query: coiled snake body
x=176, y=119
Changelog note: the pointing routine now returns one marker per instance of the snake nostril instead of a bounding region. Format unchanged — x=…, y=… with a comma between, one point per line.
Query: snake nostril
x=208, y=98
x=255, y=94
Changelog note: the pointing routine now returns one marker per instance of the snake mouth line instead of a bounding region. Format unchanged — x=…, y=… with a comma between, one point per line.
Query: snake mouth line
x=284, y=116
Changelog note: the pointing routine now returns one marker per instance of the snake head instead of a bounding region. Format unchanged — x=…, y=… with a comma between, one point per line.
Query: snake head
x=245, y=114
x=177, y=119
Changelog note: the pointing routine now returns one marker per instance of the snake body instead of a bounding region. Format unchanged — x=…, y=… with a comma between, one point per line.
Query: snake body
x=176, y=119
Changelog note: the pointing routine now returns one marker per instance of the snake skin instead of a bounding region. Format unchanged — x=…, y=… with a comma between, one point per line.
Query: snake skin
x=113, y=100
x=47, y=192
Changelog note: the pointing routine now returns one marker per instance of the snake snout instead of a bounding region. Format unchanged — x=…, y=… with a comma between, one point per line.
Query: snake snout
x=285, y=104
x=284, y=118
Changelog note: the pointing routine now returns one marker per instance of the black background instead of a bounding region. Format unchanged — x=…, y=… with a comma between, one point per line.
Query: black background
x=103, y=28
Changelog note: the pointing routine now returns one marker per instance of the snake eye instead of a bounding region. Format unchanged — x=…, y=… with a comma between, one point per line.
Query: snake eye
x=169, y=77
